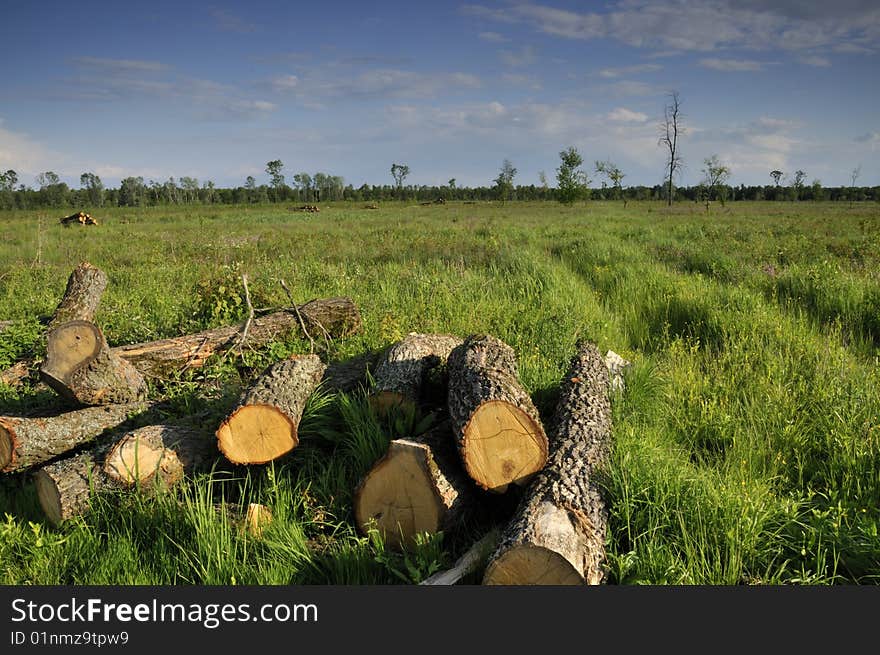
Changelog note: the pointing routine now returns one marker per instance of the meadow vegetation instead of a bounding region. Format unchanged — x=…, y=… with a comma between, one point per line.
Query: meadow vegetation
x=746, y=446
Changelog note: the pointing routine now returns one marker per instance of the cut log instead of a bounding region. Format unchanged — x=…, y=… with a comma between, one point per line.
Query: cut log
x=348, y=374
x=65, y=487
x=264, y=425
x=27, y=442
x=417, y=486
x=400, y=374
x=160, y=454
x=85, y=286
x=497, y=427
x=332, y=317
x=80, y=367
x=557, y=535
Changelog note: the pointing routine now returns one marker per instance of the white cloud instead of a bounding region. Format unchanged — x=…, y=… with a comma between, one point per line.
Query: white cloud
x=118, y=66
x=629, y=70
x=524, y=57
x=732, y=65
x=493, y=37
x=284, y=83
x=624, y=115
x=695, y=25
x=816, y=61
x=626, y=88
x=520, y=80
x=872, y=139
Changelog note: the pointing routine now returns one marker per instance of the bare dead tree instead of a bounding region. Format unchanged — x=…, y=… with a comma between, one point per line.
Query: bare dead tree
x=670, y=130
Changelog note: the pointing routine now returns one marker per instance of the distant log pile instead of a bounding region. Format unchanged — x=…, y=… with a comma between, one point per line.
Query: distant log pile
x=306, y=208
x=486, y=453
x=80, y=218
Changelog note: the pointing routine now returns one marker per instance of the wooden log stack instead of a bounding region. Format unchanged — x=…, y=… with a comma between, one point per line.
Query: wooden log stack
x=80, y=218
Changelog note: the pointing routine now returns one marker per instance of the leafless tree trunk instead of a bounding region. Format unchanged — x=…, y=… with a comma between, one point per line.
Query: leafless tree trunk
x=669, y=132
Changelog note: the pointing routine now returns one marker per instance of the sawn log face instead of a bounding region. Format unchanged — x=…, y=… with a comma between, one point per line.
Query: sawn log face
x=264, y=424
x=496, y=425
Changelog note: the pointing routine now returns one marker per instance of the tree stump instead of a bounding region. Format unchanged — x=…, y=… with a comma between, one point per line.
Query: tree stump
x=27, y=442
x=80, y=367
x=557, y=535
x=401, y=373
x=497, y=427
x=418, y=486
x=264, y=424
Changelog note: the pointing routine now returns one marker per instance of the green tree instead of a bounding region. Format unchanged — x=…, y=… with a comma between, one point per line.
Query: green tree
x=614, y=175
x=572, y=181
x=93, y=187
x=504, y=181
x=798, y=184
x=304, y=184
x=131, y=192
x=670, y=130
x=53, y=192
x=273, y=168
x=816, y=190
x=715, y=176
x=7, y=189
x=399, y=172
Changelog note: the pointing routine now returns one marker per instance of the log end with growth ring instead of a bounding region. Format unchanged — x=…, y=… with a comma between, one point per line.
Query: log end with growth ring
x=69, y=346
x=398, y=495
x=135, y=460
x=49, y=496
x=502, y=444
x=256, y=434
x=531, y=565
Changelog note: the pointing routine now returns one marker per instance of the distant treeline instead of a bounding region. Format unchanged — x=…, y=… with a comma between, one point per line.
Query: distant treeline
x=133, y=192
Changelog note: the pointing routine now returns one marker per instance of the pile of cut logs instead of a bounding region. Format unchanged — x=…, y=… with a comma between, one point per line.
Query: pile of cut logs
x=306, y=208
x=80, y=218
x=489, y=439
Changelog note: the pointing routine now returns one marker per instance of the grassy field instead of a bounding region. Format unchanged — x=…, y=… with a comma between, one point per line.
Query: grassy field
x=746, y=445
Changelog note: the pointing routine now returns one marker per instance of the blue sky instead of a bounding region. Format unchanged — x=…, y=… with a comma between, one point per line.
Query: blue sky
x=216, y=90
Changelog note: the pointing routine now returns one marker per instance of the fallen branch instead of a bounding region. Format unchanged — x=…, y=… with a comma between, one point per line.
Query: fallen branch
x=468, y=563
x=159, y=359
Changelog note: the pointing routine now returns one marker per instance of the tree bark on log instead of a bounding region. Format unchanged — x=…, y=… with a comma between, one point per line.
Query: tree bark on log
x=332, y=317
x=80, y=367
x=85, y=286
x=27, y=442
x=81, y=298
x=557, y=535
x=417, y=486
x=160, y=454
x=401, y=373
x=65, y=487
x=264, y=425
x=497, y=427
x=348, y=374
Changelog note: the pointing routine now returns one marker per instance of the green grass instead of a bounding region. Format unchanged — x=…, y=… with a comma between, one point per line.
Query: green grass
x=746, y=448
